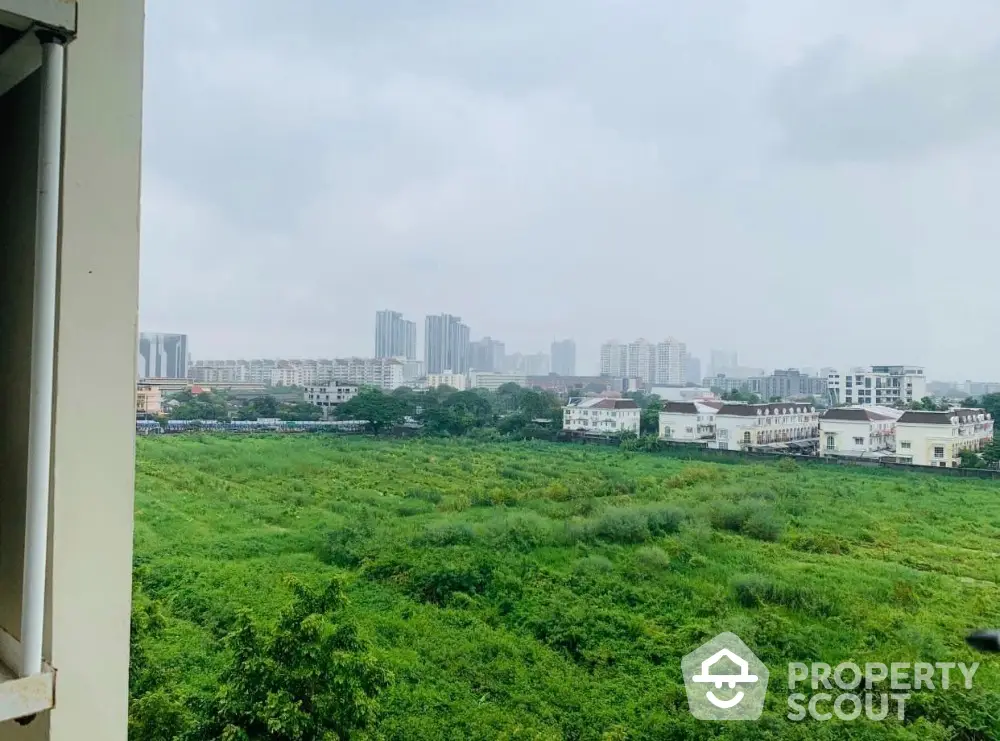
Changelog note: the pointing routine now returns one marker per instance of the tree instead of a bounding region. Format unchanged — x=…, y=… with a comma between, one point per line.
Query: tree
x=970, y=459
x=310, y=677
x=378, y=410
x=260, y=407
x=206, y=405
x=991, y=453
x=299, y=411
x=927, y=404
x=649, y=421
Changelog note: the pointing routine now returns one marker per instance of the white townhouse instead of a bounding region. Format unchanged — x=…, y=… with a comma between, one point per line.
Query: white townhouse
x=602, y=415
x=780, y=425
x=858, y=432
x=689, y=421
x=936, y=438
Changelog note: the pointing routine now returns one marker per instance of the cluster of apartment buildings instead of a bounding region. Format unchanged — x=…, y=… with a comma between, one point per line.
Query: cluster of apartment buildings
x=665, y=363
x=383, y=373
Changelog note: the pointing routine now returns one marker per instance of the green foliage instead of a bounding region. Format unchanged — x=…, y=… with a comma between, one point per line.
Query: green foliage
x=527, y=590
x=309, y=677
x=379, y=410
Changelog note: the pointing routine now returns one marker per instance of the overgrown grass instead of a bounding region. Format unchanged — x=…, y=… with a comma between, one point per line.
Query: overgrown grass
x=539, y=591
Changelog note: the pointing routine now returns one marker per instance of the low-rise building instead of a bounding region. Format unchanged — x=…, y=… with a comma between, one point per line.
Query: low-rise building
x=493, y=381
x=857, y=432
x=689, y=421
x=457, y=381
x=148, y=399
x=598, y=414
x=329, y=396
x=781, y=425
x=937, y=438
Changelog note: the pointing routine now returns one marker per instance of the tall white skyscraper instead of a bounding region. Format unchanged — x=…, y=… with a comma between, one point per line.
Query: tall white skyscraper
x=614, y=359
x=670, y=360
x=641, y=361
x=395, y=337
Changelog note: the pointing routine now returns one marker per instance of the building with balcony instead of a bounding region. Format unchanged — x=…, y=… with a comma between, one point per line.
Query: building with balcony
x=611, y=416
x=880, y=385
x=148, y=399
x=937, y=438
x=858, y=432
x=778, y=426
x=689, y=421
x=70, y=119
x=329, y=396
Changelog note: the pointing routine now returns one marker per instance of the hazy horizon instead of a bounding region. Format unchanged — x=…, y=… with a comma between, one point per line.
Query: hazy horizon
x=803, y=183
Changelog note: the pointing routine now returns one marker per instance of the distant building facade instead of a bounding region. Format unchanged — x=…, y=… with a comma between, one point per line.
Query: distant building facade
x=148, y=399
x=493, y=381
x=884, y=385
x=163, y=355
x=487, y=355
x=446, y=344
x=668, y=364
x=689, y=421
x=564, y=357
x=395, y=337
x=938, y=438
x=612, y=416
x=763, y=426
x=614, y=359
x=329, y=396
x=692, y=369
x=857, y=432
x=457, y=381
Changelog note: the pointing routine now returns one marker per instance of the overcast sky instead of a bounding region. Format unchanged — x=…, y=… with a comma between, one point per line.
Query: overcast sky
x=805, y=182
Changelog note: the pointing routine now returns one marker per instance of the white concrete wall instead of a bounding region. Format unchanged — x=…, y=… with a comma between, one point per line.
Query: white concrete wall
x=90, y=545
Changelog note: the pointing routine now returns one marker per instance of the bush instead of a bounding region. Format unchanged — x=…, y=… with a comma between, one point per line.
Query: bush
x=521, y=531
x=449, y=533
x=747, y=518
x=754, y=591
x=652, y=559
x=622, y=526
x=428, y=495
x=664, y=519
x=594, y=564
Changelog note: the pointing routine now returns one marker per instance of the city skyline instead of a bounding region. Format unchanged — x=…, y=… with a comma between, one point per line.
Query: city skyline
x=792, y=177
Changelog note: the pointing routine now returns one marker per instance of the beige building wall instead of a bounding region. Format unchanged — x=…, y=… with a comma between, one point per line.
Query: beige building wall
x=90, y=532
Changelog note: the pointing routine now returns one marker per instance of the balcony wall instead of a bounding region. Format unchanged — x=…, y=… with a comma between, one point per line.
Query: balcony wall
x=90, y=529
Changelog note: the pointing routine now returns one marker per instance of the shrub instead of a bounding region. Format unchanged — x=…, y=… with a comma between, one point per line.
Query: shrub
x=622, y=526
x=692, y=475
x=664, y=519
x=428, y=495
x=747, y=518
x=754, y=591
x=594, y=564
x=522, y=531
x=448, y=533
x=652, y=559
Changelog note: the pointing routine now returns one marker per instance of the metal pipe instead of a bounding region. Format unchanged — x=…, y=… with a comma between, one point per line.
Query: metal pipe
x=43, y=337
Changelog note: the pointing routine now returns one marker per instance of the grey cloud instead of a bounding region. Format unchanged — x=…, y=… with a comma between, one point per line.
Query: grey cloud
x=500, y=160
x=917, y=106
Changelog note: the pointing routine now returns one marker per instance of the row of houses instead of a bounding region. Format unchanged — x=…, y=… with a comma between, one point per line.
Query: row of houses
x=871, y=432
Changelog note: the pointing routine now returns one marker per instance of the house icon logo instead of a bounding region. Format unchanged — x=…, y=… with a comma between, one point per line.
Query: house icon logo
x=724, y=680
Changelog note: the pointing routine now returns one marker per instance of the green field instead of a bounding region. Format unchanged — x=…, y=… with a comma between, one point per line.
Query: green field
x=543, y=591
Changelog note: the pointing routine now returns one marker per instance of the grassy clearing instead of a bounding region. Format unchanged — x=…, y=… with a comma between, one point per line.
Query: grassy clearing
x=538, y=591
